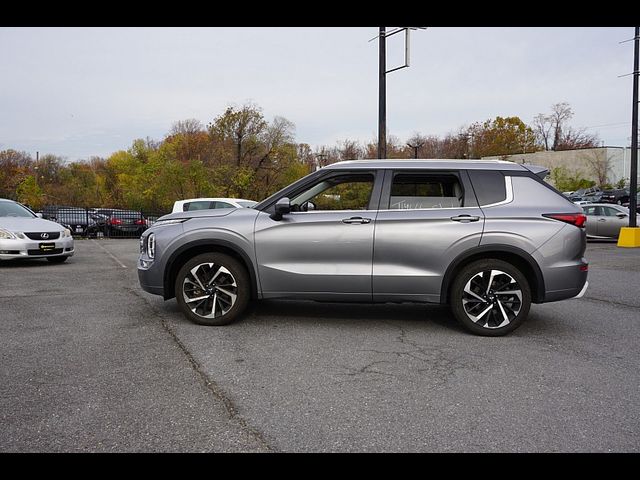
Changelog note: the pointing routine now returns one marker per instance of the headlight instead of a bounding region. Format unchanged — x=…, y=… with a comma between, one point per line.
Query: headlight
x=66, y=233
x=151, y=246
x=6, y=235
x=171, y=221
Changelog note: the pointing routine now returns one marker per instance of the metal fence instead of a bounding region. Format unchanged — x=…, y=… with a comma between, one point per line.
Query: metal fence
x=101, y=222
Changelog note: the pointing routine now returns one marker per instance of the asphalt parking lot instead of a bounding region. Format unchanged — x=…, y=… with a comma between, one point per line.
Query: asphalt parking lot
x=90, y=362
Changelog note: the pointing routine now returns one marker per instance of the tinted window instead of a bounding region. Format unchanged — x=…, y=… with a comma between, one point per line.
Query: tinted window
x=223, y=205
x=488, y=185
x=424, y=190
x=202, y=205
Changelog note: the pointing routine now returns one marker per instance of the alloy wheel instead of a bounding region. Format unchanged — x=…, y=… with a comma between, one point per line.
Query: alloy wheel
x=209, y=290
x=492, y=299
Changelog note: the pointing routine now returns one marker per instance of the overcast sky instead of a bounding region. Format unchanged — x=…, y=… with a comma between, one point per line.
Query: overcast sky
x=78, y=92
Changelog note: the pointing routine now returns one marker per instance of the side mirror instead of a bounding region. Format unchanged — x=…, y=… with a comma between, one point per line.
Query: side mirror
x=621, y=215
x=283, y=206
x=39, y=215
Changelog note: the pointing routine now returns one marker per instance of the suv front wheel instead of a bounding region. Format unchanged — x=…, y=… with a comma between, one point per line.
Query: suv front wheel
x=490, y=297
x=212, y=289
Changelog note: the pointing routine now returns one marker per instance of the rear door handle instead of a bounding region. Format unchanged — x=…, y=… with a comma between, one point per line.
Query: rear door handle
x=465, y=218
x=602, y=219
x=356, y=220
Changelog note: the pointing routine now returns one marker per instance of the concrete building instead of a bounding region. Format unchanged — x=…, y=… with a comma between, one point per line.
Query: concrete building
x=584, y=162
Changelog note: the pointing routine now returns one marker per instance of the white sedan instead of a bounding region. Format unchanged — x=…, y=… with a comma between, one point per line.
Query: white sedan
x=211, y=203
x=24, y=235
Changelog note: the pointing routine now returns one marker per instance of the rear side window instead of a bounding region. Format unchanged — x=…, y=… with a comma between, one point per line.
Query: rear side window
x=201, y=205
x=489, y=186
x=424, y=190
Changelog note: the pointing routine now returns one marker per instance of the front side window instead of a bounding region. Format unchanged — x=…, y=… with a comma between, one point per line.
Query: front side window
x=610, y=211
x=343, y=192
x=425, y=190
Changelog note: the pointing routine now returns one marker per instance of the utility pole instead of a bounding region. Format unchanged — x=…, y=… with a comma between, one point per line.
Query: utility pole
x=415, y=148
x=382, y=96
x=382, y=81
x=633, y=206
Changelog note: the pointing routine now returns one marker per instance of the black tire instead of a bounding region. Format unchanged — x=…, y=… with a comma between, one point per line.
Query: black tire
x=236, y=273
x=498, y=313
x=61, y=259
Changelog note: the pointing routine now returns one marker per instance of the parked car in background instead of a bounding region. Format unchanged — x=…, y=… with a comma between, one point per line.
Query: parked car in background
x=626, y=204
x=123, y=223
x=81, y=221
x=618, y=196
x=487, y=238
x=24, y=235
x=604, y=220
x=210, y=203
x=579, y=195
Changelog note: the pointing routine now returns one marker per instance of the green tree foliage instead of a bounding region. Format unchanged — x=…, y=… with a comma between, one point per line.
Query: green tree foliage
x=29, y=193
x=501, y=136
x=566, y=181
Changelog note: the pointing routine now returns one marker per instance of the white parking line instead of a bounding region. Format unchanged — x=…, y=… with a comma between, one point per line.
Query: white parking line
x=110, y=254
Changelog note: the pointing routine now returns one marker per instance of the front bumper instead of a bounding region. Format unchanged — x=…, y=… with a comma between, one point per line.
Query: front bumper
x=11, y=249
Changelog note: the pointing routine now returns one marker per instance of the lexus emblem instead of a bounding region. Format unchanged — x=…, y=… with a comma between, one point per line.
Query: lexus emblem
x=44, y=236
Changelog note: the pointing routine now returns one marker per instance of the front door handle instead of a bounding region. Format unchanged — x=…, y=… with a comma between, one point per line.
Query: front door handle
x=465, y=218
x=356, y=220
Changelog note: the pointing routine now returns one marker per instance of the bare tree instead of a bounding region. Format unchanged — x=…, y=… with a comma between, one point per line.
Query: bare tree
x=599, y=165
x=190, y=126
x=561, y=113
x=554, y=133
x=542, y=127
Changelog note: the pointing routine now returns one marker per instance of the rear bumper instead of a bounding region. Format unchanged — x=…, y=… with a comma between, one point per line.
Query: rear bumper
x=573, y=276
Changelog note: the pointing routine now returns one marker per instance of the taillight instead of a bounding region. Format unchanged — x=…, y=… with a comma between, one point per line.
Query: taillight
x=139, y=222
x=577, y=219
x=115, y=221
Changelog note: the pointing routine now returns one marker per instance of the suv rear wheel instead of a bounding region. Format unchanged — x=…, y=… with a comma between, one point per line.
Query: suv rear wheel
x=212, y=289
x=490, y=297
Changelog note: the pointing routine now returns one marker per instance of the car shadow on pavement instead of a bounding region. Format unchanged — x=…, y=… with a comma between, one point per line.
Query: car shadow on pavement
x=266, y=310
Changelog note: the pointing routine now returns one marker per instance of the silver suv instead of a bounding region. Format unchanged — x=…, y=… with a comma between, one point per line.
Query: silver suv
x=487, y=238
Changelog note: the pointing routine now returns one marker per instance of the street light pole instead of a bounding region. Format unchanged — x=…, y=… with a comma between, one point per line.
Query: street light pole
x=382, y=96
x=382, y=81
x=633, y=206
x=415, y=148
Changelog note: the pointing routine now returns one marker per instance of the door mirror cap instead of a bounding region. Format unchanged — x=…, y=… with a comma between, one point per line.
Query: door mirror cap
x=282, y=207
x=39, y=215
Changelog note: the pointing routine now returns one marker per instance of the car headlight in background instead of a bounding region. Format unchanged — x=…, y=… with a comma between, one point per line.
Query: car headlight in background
x=7, y=235
x=151, y=246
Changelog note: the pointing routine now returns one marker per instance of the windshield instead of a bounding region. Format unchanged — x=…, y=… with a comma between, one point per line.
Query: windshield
x=13, y=209
x=247, y=203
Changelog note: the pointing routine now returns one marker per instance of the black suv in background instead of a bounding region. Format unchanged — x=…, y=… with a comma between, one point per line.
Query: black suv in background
x=618, y=196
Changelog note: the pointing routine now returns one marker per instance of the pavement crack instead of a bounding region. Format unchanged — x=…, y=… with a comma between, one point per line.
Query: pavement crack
x=617, y=304
x=211, y=385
